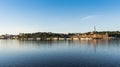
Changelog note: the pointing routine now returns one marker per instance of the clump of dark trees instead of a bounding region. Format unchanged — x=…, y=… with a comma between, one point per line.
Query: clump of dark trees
x=44, y=35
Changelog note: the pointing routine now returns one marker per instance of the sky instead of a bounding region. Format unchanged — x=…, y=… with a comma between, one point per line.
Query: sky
x=58, y=16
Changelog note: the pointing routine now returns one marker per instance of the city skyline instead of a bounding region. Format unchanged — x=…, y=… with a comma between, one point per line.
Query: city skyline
x=60, y=16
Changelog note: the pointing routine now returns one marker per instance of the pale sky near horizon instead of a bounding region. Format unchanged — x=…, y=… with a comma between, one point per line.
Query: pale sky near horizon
x=62, y=16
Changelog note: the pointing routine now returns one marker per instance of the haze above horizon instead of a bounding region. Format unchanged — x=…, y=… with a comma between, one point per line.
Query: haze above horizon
x=61, y=16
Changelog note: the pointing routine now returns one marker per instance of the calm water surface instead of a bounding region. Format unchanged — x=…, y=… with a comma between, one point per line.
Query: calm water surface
x=92, y=53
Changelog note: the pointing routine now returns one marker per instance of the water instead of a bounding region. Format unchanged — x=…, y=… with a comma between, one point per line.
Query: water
x=92, y=53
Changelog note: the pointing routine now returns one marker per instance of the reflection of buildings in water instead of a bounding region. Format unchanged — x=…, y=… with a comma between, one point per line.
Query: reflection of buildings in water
x=36, y=44
x=88, y=42
x=77, y=42
x=73, y=43
x=95, y=43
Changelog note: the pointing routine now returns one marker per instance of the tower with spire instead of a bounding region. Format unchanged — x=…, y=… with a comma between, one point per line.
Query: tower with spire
x=94, y=29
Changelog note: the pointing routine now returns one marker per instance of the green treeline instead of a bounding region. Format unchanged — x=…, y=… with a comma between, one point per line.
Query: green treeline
x=44, y=35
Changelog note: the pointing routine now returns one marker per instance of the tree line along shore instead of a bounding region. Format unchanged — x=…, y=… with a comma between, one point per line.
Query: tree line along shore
x=62, y=36
x=69, y=36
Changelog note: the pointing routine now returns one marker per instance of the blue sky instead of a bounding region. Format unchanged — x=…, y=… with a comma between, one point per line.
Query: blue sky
x=62, y=16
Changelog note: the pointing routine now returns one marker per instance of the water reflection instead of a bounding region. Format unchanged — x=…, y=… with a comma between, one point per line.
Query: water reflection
x=93, y=44
x=84, y=53
x=111, y=43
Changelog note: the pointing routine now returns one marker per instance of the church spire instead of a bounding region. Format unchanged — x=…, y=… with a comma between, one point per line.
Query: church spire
x=94, y=28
